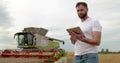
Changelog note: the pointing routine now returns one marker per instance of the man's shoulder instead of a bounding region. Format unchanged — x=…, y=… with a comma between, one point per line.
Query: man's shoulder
x=94, y=20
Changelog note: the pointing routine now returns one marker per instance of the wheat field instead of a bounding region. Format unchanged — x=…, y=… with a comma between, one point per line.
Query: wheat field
x=103, y=58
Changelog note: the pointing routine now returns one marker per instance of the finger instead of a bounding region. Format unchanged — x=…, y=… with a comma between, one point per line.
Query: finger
x=71, y=33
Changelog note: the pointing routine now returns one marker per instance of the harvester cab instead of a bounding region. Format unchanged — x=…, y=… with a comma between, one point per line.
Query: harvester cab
x=24, y=39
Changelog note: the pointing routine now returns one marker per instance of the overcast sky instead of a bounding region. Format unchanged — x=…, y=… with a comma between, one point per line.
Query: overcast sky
x=57, y=16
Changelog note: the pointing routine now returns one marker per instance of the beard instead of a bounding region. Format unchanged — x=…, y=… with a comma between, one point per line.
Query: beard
x=83, y=16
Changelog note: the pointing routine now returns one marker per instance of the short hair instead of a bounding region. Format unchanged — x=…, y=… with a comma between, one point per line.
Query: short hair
x=82, y=3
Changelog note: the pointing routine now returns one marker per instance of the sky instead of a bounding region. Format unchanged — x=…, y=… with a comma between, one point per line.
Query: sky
x=57, y=16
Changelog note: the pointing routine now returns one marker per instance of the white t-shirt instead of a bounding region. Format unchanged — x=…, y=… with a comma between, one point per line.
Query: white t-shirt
x=87, y=26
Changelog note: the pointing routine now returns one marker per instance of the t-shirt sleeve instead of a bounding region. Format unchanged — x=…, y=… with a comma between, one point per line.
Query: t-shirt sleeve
x=97, y=26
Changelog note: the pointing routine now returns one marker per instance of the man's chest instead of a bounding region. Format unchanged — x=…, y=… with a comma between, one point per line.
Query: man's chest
x=86, y=27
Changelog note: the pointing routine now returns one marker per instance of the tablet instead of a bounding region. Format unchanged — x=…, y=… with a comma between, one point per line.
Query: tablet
x=77, y=30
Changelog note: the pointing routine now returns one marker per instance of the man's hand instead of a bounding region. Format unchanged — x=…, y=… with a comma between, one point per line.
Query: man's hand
x=81, y=37
x=73, y=40
x=76, y=36
x=73, y=37
x=71, y=33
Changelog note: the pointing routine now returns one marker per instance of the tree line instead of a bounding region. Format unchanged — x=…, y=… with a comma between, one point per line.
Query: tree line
x=107, y=51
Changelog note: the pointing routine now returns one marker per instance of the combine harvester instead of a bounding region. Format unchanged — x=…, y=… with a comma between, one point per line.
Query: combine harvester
x=33, y=42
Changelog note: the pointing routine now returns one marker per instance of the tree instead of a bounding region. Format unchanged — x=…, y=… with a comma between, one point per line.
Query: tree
x=102, y=51
x=118, y=51
x=107, y=51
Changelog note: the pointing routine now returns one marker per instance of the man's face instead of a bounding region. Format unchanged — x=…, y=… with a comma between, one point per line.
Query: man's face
x=82, y=11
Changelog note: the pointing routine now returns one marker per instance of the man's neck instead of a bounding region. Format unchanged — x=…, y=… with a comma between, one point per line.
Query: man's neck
x=83, y=19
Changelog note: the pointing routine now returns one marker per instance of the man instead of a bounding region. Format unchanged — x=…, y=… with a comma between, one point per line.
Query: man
x=85, y=48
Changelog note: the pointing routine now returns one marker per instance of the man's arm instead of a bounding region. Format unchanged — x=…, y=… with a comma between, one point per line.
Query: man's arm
x=94, y=41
